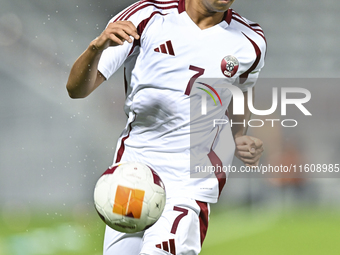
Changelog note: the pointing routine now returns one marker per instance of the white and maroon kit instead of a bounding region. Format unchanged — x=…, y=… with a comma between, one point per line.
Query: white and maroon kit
x=160, y=69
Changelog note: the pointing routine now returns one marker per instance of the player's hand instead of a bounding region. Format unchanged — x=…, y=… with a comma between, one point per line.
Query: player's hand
x=116, y=33
x=249, y=149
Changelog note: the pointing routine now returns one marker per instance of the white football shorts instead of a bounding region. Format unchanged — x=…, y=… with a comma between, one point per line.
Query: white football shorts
x=179, y=231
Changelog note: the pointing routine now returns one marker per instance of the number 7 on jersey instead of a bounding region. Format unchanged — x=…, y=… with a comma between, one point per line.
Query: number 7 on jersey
x=200, y=71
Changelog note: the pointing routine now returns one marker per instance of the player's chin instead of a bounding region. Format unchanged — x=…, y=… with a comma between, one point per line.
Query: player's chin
x=225, y=2
x=223, y=5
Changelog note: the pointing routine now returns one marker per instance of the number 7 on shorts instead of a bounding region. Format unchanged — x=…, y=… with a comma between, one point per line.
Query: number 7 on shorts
x=183, y=213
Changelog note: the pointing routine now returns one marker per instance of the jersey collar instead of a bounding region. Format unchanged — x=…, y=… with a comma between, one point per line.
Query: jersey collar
x=181, y=6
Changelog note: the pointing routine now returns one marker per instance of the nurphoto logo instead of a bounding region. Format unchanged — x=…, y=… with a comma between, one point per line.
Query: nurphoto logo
x=288, y=96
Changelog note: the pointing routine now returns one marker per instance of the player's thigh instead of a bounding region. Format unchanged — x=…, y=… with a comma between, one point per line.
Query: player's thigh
x=180, y=230
x=116, y=243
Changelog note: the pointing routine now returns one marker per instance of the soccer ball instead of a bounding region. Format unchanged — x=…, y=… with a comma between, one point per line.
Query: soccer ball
x=129, y=197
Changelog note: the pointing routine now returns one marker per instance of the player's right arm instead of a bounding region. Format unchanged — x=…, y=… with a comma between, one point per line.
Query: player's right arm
x=84, y=75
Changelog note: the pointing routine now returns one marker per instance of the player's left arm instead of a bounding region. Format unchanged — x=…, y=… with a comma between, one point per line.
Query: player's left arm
x=248, y=149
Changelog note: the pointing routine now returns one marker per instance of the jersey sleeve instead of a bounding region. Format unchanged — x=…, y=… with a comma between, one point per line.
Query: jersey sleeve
x=257, y=39
x=113, y=57
x=139, y=14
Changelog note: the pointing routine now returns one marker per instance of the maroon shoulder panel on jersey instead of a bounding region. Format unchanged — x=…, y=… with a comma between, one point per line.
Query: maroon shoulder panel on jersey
x=244, y=76
x=254, y=26
x=140, y=28
x=141, y=5
x=124, y=13
x=150, y=4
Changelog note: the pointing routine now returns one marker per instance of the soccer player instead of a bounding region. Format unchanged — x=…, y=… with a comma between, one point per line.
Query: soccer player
x=165, y=47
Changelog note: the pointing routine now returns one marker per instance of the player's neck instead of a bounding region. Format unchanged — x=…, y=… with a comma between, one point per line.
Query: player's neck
x=203, y=17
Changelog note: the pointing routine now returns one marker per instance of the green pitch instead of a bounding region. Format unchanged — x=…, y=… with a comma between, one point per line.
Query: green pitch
x=239, y=231
x=307, y=231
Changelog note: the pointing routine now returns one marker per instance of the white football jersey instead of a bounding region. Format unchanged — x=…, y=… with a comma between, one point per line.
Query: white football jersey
x=162, y=70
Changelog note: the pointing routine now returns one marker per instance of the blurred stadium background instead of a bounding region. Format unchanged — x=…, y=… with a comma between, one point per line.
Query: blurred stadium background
x=53, y=149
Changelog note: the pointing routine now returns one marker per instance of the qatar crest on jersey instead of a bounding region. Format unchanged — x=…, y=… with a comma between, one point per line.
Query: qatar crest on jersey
x=229, y=66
